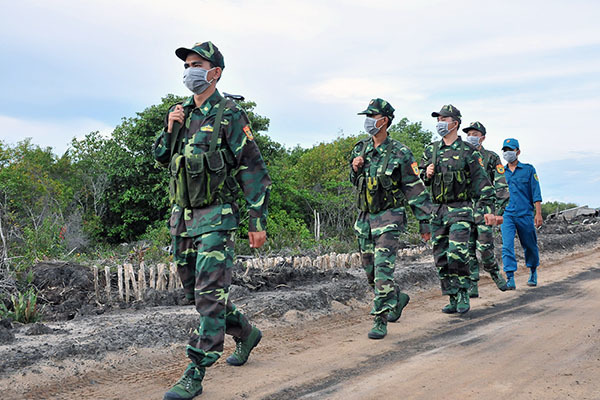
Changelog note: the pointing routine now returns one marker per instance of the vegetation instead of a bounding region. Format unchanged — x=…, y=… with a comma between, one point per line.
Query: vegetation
x=107, y=190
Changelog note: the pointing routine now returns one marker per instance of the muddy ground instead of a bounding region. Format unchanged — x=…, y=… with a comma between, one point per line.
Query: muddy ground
x=79, y=334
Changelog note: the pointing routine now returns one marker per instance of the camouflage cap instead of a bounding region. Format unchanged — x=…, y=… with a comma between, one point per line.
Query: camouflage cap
x=379, y=106
x=206, y=50
x=478, y=126
x=448, y=111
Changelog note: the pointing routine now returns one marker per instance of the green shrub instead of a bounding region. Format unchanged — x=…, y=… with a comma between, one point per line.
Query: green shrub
x=24, y=307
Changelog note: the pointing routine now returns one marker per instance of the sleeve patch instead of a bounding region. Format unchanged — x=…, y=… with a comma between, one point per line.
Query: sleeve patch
x=480, y=161
x=536, y=177
x=248, y=132
x=415, y=168
x=500, y=168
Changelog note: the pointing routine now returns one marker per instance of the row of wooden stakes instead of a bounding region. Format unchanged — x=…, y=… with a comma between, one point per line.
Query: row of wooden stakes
x=132, y=283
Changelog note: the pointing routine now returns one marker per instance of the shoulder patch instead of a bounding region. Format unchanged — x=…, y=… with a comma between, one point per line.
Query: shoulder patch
x=536, y=177
x=415, y=168
x=500, y=168
x=248, y=132
x=480, y=161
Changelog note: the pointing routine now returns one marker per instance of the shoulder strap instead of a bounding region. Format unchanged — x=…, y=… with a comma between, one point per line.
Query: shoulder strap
x=363, y=149
x=434, y=154
x=217, y=126
x=386, y=160
x=177, y=129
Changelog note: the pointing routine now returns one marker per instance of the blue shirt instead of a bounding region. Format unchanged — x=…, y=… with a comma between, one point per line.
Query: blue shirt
x=524, y=189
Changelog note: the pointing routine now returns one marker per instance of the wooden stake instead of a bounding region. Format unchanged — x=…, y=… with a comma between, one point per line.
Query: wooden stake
x=126, y=279
x=120, y=281
x=107, y=279
x=160, y=280
x=96, y=287
x=152, y=277
x=142, y=281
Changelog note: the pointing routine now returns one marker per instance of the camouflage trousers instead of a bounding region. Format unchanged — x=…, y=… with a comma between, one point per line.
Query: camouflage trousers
x=378, y=255
x=482, y=240
x=204, y=264
x=450, y=237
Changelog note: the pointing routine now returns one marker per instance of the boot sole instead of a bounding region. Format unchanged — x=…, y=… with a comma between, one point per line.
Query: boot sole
x=235, y=362
x=167, y=397
x=375, y=336
x=449, y=311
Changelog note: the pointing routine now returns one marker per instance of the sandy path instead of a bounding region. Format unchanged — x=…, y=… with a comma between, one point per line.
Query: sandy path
x=532, y=343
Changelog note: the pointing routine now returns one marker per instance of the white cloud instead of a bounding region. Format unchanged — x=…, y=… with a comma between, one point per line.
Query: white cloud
x=53, y=134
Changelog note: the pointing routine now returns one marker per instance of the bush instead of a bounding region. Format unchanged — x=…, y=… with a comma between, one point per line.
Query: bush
x=24, y=307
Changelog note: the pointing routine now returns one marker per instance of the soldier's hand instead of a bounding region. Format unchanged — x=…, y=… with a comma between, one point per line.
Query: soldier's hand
x=426, y=236
x=430, y=171
x=176, y=115
x=499, y=219
x=490, y=219
x=538, y=220
x=257, y=239
x=357, y=163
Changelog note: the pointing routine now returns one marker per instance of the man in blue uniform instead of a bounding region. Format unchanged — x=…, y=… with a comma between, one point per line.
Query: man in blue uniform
x=525, y=197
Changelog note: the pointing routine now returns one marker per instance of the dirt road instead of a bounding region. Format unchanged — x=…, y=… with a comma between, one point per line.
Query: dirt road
x=532, y=343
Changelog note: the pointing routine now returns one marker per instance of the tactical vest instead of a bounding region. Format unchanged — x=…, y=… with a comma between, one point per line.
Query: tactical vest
x=451, y=186
x=378, y=193
x=204, y=179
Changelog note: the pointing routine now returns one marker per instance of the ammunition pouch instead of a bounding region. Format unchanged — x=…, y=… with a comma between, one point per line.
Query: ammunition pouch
x=379, y=193
x=451, y=186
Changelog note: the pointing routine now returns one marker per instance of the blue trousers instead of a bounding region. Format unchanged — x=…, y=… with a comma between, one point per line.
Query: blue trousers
x=525, y=228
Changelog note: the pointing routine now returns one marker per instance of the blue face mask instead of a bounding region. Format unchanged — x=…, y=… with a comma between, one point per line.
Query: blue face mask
x=510, y=156
x=473, y=141
x=370, y=126
x=195, y=79
x=442, y=128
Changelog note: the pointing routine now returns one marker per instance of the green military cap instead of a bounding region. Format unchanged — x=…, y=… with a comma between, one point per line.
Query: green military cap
x=478, y=126
x=379, y=106
x=206, y=50
x=448, y=111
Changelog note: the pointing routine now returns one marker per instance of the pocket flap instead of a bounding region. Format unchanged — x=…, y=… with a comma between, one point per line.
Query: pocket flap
x=194, y=164
x=215, y=161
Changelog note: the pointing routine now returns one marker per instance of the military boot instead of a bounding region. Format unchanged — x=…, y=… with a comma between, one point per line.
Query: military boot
x=379, y=329
x=510, y=282
x=188, y=386
x=451, y=307
x=532, y=277
x=462, y=301
x=244, y=347
x=396, y=313
x=473, y=290
x=499, y=280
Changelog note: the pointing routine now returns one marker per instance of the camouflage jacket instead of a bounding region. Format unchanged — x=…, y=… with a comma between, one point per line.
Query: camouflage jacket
x=404, y=173
x=495, y=171
x=461, y=156
x=249, y=169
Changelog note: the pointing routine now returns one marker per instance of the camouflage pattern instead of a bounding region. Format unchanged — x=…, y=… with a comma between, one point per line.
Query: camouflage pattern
x=378, y=232
x=448, y=111
x=248, y=168
x=452, y=222
x=203, y=237
x=482, y=237
x=478, y=126
x=218, y=315
x=379, y=106
x=206, y=50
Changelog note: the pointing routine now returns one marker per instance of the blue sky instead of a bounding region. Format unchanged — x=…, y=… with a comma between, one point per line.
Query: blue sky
x=529, y=70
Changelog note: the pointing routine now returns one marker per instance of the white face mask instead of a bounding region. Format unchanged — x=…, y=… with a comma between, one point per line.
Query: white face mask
x=371, y=125
x=473, y=141
x=194, y=78
x=510, y=155
x=442, y=128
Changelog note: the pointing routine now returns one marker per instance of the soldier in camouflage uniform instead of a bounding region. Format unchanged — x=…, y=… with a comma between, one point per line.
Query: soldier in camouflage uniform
x=208, y=148
x=387, y=177
x=454, y=172
x=482, y=236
